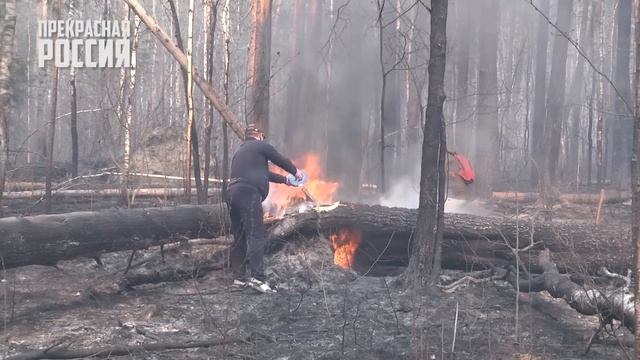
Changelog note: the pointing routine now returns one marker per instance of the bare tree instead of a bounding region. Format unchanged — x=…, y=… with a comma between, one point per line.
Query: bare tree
x=555, y=104
x=623, y=122
x=211, y=18
x=537, y=121
x=259, y=71
x=52, y=124
x=424, y=265
x=7, y=28
x=74, y=108
x=487, y=126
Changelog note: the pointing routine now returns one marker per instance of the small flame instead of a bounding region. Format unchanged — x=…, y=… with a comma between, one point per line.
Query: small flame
x=282, y=197
x=345, y=243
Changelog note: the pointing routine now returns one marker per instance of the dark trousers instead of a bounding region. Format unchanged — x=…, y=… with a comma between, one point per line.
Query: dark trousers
x=245, y=206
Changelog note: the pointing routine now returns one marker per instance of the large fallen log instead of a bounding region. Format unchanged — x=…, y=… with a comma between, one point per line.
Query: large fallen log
x=101, y=193
x=608, y=197
x=47, y=239
x=470, y=242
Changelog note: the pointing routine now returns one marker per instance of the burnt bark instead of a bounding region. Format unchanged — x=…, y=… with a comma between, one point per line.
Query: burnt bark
x=259, y=72
x=47, y=239
x=424, y=265
x=469, y=241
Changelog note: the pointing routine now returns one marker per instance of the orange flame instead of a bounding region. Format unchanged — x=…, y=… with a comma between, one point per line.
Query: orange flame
x=282, y=196
x=345, y=243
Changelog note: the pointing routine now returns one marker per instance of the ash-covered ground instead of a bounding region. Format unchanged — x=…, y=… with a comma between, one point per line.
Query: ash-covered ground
x=319, y=312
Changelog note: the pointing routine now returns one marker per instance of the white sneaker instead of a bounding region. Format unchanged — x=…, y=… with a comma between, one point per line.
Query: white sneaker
x=261, y=286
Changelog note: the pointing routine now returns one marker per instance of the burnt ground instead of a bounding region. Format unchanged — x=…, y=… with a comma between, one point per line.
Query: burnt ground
x=320, y=311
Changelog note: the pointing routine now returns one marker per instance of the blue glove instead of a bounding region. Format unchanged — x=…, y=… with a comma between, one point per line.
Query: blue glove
x=292, y=181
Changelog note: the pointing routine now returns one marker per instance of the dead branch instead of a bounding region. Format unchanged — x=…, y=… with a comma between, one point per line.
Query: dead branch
x=59, y=352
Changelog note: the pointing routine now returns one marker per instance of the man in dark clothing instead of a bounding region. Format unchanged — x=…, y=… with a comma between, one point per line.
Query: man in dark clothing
x=249, y=186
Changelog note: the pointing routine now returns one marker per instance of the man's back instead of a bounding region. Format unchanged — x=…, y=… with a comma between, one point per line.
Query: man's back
x=250, y=164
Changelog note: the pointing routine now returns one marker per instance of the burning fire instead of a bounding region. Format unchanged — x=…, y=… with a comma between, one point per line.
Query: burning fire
x=282, y=197
x=345, y=243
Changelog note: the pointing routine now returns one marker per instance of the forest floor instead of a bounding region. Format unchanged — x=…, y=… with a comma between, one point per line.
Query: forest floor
x=319, y=312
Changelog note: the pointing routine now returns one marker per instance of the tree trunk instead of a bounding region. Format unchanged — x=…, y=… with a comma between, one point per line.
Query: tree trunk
x=463, y=119
x=74, y=125
x=635, y=180
x=487, y=128
x=424, y=266
x=576, y=93
x=555, y=105
x=623, y=120
x=74, y=108
x=210, y=36
x=47, y=239
x=7, y=33
x=226, y=114
x=259, y=72
x=129, y=108
x=226, y=77
x=52, y=123
x=537, y=123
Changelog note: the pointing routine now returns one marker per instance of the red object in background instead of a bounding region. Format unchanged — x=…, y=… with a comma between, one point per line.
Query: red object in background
x=466, y=171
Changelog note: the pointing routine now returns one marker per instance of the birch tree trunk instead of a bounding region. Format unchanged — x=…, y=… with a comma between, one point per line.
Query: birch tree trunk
x=555, y=104
x=189, y=129
x=226, y=33
x=210, y=36
x=7, y=28
x=52, y=123
x=424, y=265
x=128, y=123
x=259, y=71
x=74, y=109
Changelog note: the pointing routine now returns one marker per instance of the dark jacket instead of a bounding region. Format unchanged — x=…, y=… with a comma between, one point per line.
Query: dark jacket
x=250, y=166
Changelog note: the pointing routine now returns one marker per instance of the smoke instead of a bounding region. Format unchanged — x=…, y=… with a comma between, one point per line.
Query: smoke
x=406, y=193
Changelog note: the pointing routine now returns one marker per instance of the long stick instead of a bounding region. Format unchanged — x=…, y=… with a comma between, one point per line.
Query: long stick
x=208, y=91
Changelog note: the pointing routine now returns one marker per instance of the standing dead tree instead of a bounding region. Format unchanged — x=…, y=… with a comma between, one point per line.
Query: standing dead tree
x=555, y=104
x=259, y=72
x=52, y=123
x=424, y=266
x=191, y=148
x=7, y=28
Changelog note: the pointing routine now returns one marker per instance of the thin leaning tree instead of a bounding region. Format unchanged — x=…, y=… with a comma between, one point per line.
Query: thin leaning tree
x=7, y=35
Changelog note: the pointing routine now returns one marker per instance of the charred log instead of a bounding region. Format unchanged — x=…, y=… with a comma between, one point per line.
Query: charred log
x=470, y=242
x=47, y=239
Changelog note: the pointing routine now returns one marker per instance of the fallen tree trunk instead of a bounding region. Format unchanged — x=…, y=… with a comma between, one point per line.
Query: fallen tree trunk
x=47, y=239
x=101, y=193
x=610, y=197
x=62, y=352
x=470, y=242
x=610, y=304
